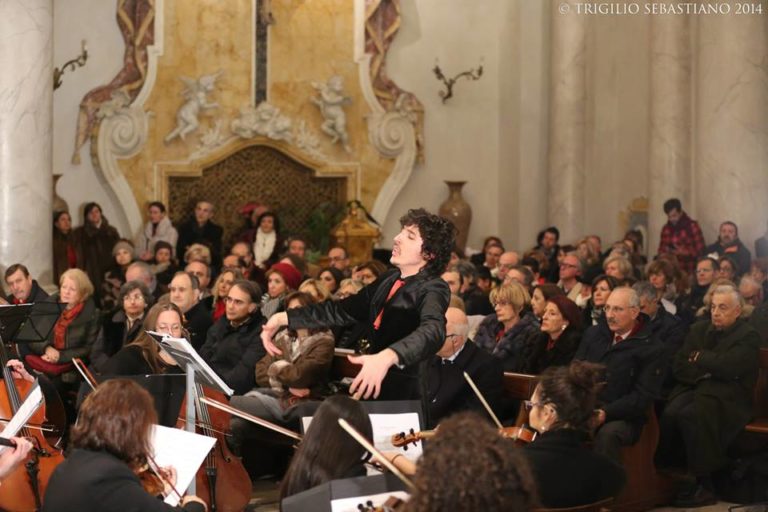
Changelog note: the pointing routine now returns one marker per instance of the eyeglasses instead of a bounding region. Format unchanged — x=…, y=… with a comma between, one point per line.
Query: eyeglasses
x=501, y=303
x=133, y=298
x=530, y=404
x=568, y=265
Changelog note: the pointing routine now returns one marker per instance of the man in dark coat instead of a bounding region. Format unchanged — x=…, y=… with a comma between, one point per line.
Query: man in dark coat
x=632, y=355
x=404, y=310
x=185, y=293
x=233, y=346
x=728, y=244
x=448, y=391
x=24, y=289
x=716, y=370
x=93, y=242
x=201, y=230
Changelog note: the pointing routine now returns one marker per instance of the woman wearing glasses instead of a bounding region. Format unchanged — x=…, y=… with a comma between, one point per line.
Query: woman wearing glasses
x=567, y=472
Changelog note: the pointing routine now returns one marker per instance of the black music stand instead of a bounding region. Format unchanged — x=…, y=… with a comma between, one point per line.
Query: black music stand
x=28, y=323
x=318, y=499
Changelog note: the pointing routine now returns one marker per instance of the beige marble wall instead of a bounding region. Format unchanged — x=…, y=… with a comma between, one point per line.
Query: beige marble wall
x=730, y=150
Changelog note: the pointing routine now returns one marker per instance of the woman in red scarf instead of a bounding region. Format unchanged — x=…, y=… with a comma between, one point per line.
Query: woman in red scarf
x=74, y=332
x=221, y=289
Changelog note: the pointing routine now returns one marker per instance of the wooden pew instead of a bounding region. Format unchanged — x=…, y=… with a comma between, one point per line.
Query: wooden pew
x=759, y=425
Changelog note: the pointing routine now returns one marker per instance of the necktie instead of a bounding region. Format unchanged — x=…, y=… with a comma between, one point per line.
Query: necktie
x=395, y=286
x=617, y=339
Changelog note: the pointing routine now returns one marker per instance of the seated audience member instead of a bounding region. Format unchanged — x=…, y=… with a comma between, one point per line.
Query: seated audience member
x=705, y=312
x=510, y=333
x=282, y=279
x=297, y=263
x=523, y=275
x=487, y=472
x=492, y=254
x=716, y=372
x=142, y=356
x=233, y=345
x=661, y=275
x=64, y=252
x=541, y=294
x=759, y=320
x=114, y=278
x=751, y=290
x=478, y=258
x=221, y=289
x=759, y=272
x=157, y=229
x=591, y=258
x=339, y=259
x=546, y=244
x=571, y=269
x=198, y=252
x=729, y=269
x=202, y=271
x=244, y=251
x=506, y=261
x=163, y=265
x=141, y=271
x=266, y=240
x=327, y=451
x=620, y=268
x=124, y=326
x=566, y=471
x=560, y=336
x=369, y=271
x=185, y=293
x=728, y=244
x=447, y=390
x=24, y=289
x=476, y=301
x=349, y=336
x=316, y=288
x=73, y=334
x=200, y=229
x=484, y=280
x=110, y=445
x=348, y=287
x=667, y=328
x=332, y=278
x=602, y=287
x=761, y=246
x=534, y=262
x=298, y=247
x=453, y=278
x=706, y=272
x=633, y=358
x=94, y=241
x=283, y=382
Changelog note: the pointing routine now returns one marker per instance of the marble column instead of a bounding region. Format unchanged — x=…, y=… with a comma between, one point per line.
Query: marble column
x=566, y=195
x=26, y=114
x=670, y=138
x=731, y=132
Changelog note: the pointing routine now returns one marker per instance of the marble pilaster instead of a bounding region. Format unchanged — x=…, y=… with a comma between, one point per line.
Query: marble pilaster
x=26, y=100
x=731, y=127
x=565, y=208
x=670, y=139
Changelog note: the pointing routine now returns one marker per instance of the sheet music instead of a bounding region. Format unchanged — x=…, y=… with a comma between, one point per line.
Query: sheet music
x=384, y=427
x=352, y=504
x=182, y=351
x=184, y=451
x=31, y=404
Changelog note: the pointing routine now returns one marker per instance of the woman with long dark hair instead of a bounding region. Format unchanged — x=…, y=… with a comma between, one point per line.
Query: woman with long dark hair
x=327, y=452
x=110, y=446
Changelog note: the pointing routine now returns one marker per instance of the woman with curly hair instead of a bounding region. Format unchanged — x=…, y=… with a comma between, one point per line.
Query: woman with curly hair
x=567, y=472
x=468, y=466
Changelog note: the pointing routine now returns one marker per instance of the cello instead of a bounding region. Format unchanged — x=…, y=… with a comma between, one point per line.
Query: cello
x=222, y=480
x=23, y=489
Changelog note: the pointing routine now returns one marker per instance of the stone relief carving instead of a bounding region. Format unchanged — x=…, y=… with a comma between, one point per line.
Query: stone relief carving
x=196, y=95
x=331, y=103
x=389, y=131
x=308, y=142
x=124, y=127
x=265, y=120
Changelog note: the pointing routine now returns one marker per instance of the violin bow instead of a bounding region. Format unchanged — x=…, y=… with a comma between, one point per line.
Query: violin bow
x=84, y=372
x=357, y=436
x=482, y=400
x=253, y=419
x=154, y=467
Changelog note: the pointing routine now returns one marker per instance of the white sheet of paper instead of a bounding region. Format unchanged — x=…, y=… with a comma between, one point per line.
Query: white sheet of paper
x=184, y=451
x=350, y=504
x=31, y=404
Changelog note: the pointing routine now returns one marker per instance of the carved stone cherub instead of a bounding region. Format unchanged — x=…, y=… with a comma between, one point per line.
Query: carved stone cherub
x=196, y=94
x=331, y=102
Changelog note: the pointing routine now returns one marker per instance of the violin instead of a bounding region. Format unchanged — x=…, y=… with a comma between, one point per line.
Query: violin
x=402, y=440
x=393, y=504
x=23, y=489
x=523, y=434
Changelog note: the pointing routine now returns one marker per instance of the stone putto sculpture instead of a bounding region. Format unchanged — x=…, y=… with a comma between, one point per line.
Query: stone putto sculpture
x=265, y=120
x=331, y=102
x=196, y=95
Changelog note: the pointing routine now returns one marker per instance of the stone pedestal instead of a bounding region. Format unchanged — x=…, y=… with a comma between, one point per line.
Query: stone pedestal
x=26, y=113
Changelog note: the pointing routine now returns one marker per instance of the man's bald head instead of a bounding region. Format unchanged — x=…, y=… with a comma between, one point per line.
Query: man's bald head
x=456, y=330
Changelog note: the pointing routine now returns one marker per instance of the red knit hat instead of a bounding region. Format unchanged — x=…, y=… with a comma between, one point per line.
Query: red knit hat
x=291, y=275
x=568, y=309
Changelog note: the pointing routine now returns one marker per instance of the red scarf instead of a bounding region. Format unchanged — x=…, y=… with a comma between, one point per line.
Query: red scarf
x=60, y=329
x=220, y=309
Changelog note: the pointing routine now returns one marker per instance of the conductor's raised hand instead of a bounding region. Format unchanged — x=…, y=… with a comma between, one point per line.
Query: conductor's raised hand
x=269, y=330
x=374, y=369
